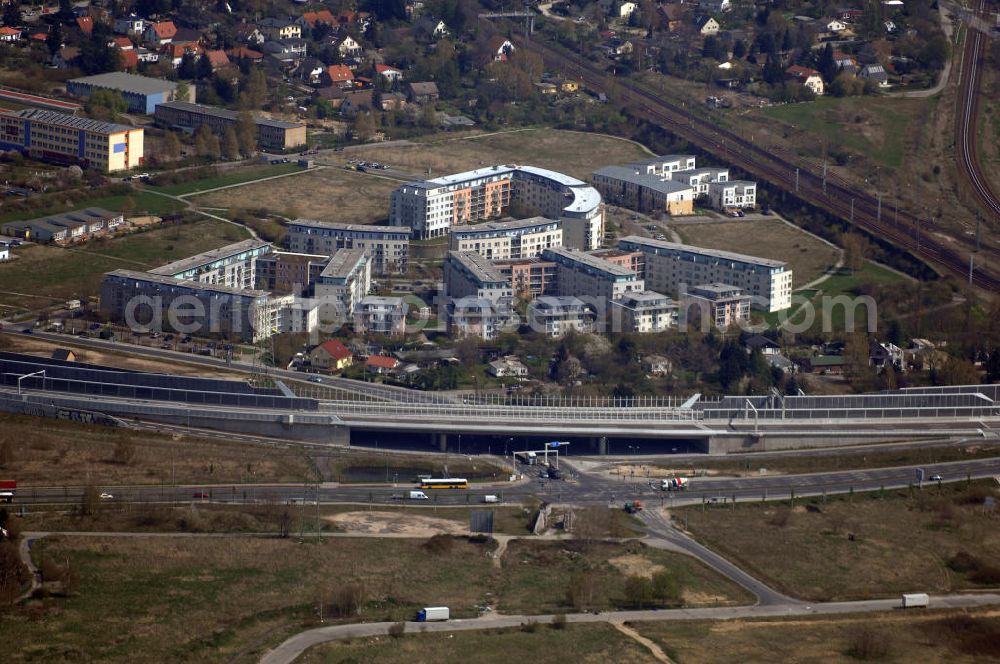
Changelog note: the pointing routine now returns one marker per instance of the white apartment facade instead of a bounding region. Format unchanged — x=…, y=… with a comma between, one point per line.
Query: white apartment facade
x=668, y=266
x=342, y=284
x=733, y=194
x=387, y=246
x=507, y=240
x=232, y=265
x=583, y=275
x=556, y=316
x=646, y=312
x=430, y=207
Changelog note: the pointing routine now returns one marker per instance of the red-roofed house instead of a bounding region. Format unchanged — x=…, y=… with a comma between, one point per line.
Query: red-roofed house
x=121, y=43
x=9, y=35
x=86, y=24
x=807, y=77
x=40, y=35
x=390, y=73
x=129, y=59
x=175, y=52
x=311, y=19
x=241, y=52
x=381, y=364
x=160, y=33
x=217, y=58
x=339, y=75
x=331, y=355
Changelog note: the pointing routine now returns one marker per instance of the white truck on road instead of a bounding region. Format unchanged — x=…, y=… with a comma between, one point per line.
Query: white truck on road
x=916, y=600
x=417, y=495
x=433, y=614
x=674, y=484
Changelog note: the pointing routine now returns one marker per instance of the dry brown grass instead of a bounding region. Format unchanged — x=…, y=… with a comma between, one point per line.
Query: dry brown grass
x=574, y=153
x=807, y=256
x=328, y=194
x=576, y=644
x=55, y=453
x=965, y=638
x=902, y=543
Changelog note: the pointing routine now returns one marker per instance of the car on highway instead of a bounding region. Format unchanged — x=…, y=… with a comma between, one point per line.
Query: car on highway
x=315, y=379
x=935, y=478
x=106, y=496
x=200, y=494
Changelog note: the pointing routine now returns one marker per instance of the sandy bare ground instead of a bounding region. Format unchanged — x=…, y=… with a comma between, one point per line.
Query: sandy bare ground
x=635, y=565
x=397, y=523
x=20, y=344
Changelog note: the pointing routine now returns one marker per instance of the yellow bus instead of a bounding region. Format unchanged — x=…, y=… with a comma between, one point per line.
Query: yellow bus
x=444, y=483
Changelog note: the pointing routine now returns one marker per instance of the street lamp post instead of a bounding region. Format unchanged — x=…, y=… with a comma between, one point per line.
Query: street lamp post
x=36, y=373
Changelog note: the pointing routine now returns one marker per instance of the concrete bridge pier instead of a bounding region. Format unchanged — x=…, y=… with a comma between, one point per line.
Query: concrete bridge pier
x=442, y=442
x=602, y=446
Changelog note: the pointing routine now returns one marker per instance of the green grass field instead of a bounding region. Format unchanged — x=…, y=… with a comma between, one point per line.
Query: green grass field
x=240, y=176
x=142, y=203
x=874, y=126
x=48, y=274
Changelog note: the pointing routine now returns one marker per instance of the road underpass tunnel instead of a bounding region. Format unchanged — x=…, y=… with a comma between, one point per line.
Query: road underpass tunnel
x=505, y=445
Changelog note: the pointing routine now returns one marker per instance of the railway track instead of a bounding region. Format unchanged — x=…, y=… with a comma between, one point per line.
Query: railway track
x=968, y=111
x=919, y=236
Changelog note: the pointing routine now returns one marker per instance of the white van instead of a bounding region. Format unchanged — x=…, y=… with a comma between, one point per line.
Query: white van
x=491, y=499
x=418, y=495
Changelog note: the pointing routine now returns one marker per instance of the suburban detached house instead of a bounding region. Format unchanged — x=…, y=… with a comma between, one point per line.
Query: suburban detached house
x=836, y=26
x=121, y=43
x=331, y=355
x=381, y=364
x=881, y=355
x=807, y=77
x=130, y=25
x=357, y=102
x=875, y=73
x=9, y=35
x=657, y=365
x=715, y=6
x=338, y=75
x=174, y=53
x=763, y=344
x=500, y=49
x=708, y=26
x=244, y=53
x=673, y=16
x=162, y=32
x=217, y=59
x=280, y=28
x=391, y=74
x=348, y=47
x=248, y=33
x=312, y=19
x=507, y=367
x=424, y=92
x=845, y=62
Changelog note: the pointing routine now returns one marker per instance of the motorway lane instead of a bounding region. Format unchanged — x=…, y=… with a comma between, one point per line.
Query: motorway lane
x=581, y=488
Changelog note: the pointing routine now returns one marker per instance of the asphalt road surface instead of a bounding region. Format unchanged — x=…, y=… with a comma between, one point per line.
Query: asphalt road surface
x=293, y=647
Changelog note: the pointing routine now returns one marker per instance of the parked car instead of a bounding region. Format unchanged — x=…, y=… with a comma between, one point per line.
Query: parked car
x=106, y=496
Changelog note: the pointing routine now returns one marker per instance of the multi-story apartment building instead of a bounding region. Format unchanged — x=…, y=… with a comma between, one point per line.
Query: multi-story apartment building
x=507, y=240
x=380, y=315
x=141, y=93
x=555, y=316
x=580, y=275
x=66, y=228
x=530, y=277
x=699, y=179
x=232, y=265
x=61, y=138
x=342, y=284
x=476, y=316
x=733, y=194
x=631, y=259
x=646, y=312
x=287, y=272
x=387, y=246
x=431, y=207
x=468, y=274
x=668, y=266
x=664, y=164
x=271, y=134
x=147, y=299
x=628, y=187
x=721, y=305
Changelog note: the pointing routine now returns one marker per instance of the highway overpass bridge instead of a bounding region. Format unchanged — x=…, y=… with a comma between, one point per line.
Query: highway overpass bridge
x=52, y=388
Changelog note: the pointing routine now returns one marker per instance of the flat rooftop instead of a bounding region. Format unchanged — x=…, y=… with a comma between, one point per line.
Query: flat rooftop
x=226, y=114
x=714, y=253
x=119, y=80
x=582, y=258
x=354, y=228
x=656, y=182
x=71, y=121
x=501, y=226
x=343, y=263
x=172, y=283
x=211, y=256
x=662, y=159
x=479, y=266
